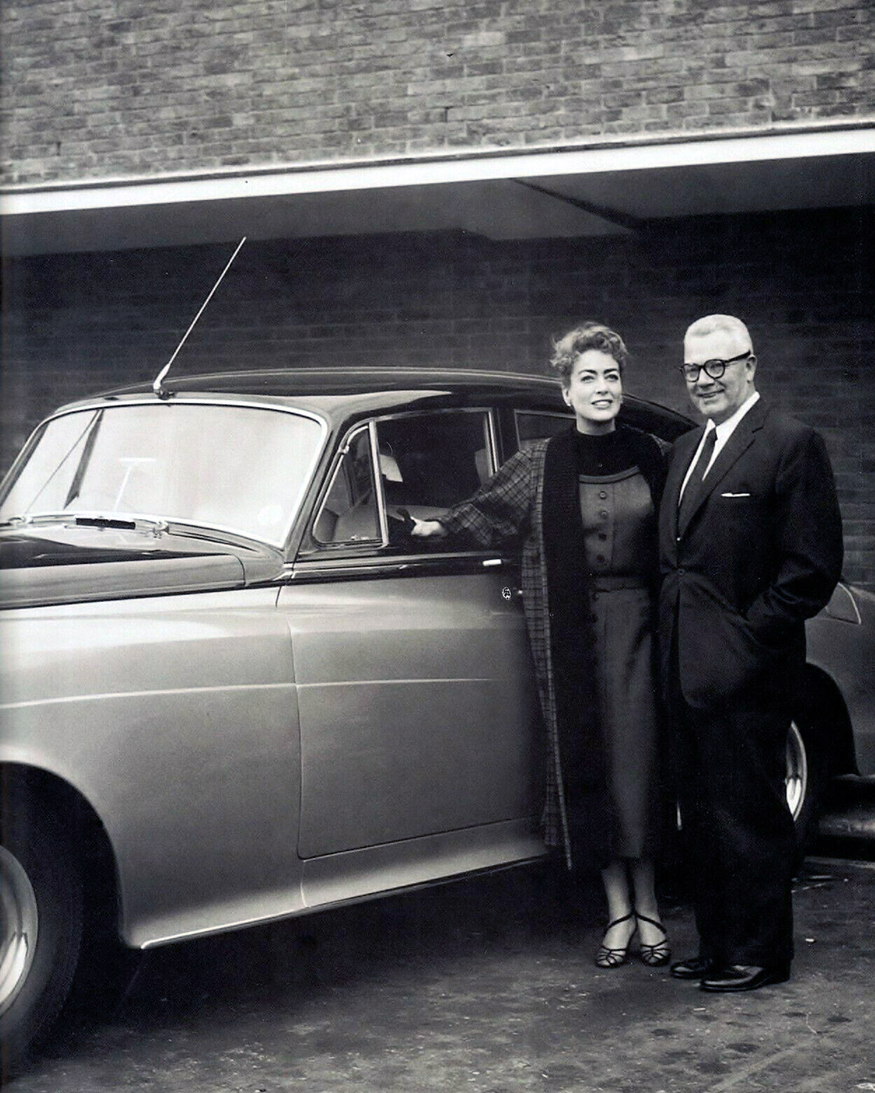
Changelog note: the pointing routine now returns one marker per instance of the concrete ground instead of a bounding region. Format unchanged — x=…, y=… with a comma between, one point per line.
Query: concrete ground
x=485, y=986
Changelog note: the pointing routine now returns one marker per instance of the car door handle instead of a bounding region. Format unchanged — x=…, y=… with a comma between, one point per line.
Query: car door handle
x=508, y=593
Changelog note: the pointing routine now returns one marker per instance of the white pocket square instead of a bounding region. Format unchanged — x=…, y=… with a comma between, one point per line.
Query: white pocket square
x=735, y=495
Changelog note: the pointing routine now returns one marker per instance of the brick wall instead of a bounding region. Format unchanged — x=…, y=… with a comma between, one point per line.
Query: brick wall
x=118, y=88
x=76, y=324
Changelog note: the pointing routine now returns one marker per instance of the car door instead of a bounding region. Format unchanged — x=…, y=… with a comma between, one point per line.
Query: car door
x=415, y=688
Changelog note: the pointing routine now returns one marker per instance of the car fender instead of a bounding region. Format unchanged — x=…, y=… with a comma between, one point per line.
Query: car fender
x=841, y=643
x=175, y=718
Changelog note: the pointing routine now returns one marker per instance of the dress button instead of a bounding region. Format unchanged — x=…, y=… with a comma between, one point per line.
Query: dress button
x=681, y=572
x=602, y=535
x=604, y=514
x=603, y=494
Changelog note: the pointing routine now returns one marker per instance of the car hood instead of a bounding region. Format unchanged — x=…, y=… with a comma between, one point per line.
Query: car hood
x=69, y=564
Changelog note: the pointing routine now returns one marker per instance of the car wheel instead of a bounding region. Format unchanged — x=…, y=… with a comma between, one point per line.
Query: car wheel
x=41, y=910
x=805, y=780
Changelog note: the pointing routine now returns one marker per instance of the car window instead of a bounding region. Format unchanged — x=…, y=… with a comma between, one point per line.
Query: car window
x=534, y=425
x=429, y=462
x=177, y=460
x=426, y=463
x=349, y=512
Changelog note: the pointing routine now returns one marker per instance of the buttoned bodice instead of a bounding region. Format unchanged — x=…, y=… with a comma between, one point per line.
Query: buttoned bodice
x=619, y=524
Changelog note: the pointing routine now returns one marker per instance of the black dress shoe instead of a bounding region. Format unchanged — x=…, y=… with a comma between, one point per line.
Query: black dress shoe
x=744, y=977
x=695, y=968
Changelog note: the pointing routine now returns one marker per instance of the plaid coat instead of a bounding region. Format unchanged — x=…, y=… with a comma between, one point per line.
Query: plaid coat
x=511, y=507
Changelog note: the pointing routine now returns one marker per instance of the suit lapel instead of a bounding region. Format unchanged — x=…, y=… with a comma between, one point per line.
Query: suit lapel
x=742, y=438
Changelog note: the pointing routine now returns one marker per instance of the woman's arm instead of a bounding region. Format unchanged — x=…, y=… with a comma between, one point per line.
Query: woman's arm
x=498, y=511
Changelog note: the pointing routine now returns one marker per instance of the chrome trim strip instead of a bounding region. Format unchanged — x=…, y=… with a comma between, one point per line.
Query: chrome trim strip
x=493, y=441
x=412, y=682
x=111, y=402
x=379, y=489
x=66, y=699
x=333, y=471
x=853, y=599
x=324, y=569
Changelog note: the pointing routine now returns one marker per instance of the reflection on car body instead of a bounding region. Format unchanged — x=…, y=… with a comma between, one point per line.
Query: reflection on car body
x=234, y=684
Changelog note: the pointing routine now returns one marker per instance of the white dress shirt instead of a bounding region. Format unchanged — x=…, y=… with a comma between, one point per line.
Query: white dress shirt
x=724, y=431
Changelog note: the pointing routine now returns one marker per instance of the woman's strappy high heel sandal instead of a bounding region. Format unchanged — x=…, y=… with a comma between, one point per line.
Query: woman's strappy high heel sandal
x=654, y=956
x=613, y=958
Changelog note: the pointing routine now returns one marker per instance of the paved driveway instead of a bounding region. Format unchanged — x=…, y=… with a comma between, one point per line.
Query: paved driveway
x=486, y=986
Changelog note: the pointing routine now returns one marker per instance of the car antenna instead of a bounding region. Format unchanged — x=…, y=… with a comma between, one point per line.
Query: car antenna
x=158, y=386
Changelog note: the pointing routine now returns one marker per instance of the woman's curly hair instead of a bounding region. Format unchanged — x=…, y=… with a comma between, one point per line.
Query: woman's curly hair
x=588, y=335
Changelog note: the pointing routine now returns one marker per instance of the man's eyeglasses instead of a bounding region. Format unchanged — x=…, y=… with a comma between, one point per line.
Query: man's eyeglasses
x=714, y=368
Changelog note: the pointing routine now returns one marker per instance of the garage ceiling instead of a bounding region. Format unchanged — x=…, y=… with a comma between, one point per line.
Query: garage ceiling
x=601, y=190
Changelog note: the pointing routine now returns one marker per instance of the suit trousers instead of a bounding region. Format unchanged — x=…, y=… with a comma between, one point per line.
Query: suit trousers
x=736, y=828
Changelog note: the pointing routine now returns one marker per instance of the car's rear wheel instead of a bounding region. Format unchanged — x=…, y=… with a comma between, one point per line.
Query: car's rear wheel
x=41, y=913
x=805, y=779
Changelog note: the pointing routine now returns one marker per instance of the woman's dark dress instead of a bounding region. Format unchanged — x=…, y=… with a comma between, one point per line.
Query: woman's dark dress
x=534, y=501
x=619, y=524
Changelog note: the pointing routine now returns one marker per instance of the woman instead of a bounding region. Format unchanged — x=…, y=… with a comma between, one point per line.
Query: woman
x=584, y=502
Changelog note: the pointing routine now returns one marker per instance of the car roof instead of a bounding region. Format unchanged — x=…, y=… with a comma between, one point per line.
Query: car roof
x=352, y=392
x=288, y=382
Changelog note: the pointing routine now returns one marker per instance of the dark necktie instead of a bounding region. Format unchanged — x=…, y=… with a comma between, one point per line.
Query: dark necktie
x=694, y=484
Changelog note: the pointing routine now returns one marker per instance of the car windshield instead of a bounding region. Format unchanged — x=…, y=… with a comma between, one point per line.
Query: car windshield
x=237, y=468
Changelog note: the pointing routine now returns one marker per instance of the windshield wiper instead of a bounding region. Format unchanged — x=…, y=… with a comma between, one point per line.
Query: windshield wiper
x=89, y=520
x=103, y=522
x=126, y=523
x=97, y=415
x=84, y=460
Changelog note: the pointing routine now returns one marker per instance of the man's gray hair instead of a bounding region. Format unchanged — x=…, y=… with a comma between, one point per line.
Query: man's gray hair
x=710, y=323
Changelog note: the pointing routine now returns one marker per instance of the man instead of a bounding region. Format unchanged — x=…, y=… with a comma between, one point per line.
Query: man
x=750, y=547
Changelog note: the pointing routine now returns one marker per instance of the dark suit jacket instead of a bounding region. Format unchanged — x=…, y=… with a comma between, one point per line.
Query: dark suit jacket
x=761, y=553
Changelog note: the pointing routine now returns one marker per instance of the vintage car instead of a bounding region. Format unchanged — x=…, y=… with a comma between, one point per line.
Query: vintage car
x=234, y=689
